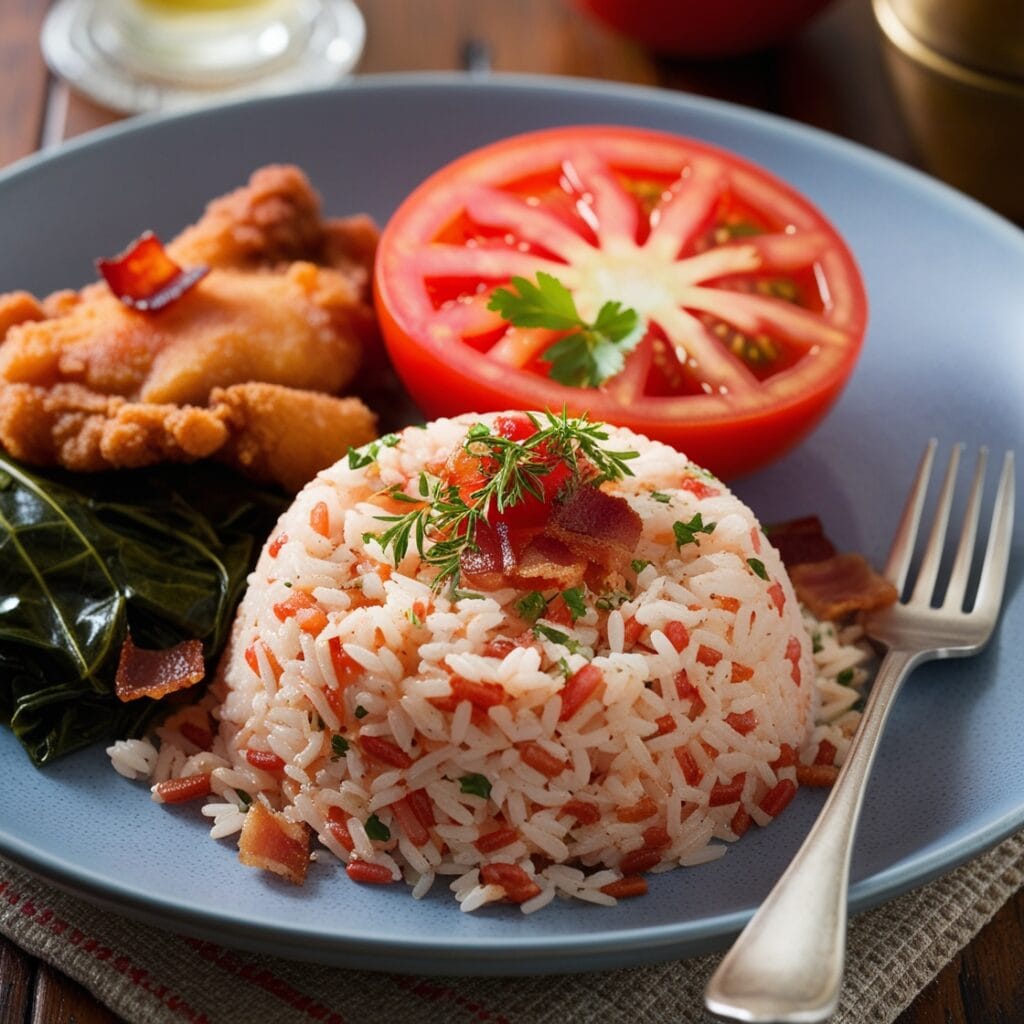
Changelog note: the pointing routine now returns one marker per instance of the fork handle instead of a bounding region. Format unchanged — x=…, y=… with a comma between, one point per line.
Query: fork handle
x=787, y=964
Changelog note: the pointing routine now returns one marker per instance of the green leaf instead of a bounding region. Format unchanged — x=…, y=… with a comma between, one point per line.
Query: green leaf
x=686, y=533
x=758, y=568
x=475, y=785
x=164, y=552
x=376, y=829
x=639, y=564
x=339, y=747
x=574, y=602
x=531, y=606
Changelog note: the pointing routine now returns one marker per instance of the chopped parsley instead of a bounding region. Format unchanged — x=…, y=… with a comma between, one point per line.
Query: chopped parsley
x=845, y=678
x=376, y=829
x=556, y=636
x=661, y=496
x=589, y=353
x=614, y=599
x=410, y=614
x=358, y=458
x=244, y=800
x=361, y=712
x=639, y=564
x=475, y=785
x=531, y=606
x=339, y=746
x=686, y=533
x=574, y=602
x=447, y=518
x=758, y=567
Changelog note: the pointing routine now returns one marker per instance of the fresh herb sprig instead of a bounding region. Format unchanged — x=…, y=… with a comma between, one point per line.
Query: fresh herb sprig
x=444, y=522
x=590, y=353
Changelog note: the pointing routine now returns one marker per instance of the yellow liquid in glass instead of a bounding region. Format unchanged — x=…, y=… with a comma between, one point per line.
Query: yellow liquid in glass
x=200, y=6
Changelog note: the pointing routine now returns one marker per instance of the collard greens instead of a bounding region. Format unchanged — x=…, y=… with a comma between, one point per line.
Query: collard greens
x=163, y=551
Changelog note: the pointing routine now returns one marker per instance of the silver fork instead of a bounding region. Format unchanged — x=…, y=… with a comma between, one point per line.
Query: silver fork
x=787, y=964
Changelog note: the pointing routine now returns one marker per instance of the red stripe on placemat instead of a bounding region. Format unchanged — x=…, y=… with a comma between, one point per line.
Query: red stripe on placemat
x=47, y=918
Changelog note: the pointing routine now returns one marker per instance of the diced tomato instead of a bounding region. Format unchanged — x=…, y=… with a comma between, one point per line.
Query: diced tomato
x=826, y=753
x=578, y=689
x=775, y=801
x=698, y=488
x=409, y=822
x=624, y=888
x=301, y=606
x=496, y=840
x=744, y=722
x=265, y=760
x=740, y=673
x=786, y=759
x=518, y=885
x=541, y=760
x=665, y=724
x=365, y=871
x=692, y=772
x=583, y=811
x=320, y=519
x=181, y=790
x=777, y=596
x=740, y=821
x=252, y=659
x=337, y=825
x=197, y=734
x=274, y=548
x=708, y=656
x=384, y=751
x=422, y=807
x=794, y=650
x=480, y=695
x=656, y=837
x=346, y=668
x=643, y=809
x=639, y=860
x=633, y=631
x=678, y=635
x=723, y=793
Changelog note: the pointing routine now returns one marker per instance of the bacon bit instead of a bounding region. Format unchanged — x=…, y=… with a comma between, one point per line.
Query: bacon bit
x=643, y=809
x=602, y=528
x=346, y=669
x=480, y=695
x=578, y=689
x=422, y=807
x=840, y=586
x=496, y=840
x=786, y=759
x=583, y=811
x=518, y=885
x=708, y=656
x=384, y=751
x=144, y=673
x=548, y=563
x=723, y=793
x=633, y=631
x=740, y=673
x=145, y=278
x=485, y=565
x=656, y=837
x=252, y=659
x=678, y=635
x=801, y=540
x=692, y=772
x=365, y=871
x=695, y=486
x=744, y=723
x=320, y=519
x=640, y=860
x=409, y=822
x=777, y=596
x=302, y=607
x=337, y=825
x=625, y=888
x=272, y=842
x=793, y=652
x=197, y=734
x=274, y=548
x=265, y=760
x=665, y=724
x=740, y=821
x=816, y=775
x=541, y=760
x=777, y=798
x=826, y=753
x=180, y=791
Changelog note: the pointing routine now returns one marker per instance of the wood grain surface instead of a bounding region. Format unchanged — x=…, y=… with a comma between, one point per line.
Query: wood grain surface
x=832, y=75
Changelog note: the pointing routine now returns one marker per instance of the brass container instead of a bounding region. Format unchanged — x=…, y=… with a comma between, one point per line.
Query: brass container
x=958, y=70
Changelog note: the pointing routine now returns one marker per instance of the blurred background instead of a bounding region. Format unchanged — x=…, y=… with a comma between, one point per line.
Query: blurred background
x=938, y=84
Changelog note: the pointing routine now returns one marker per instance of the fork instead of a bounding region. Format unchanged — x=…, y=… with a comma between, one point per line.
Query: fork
x=787, y=964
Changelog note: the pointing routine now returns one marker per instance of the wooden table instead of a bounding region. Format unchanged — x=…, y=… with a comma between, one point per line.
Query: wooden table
x=832, y=75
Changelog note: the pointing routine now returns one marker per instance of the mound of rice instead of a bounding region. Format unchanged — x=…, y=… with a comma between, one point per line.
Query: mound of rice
x=706, y=699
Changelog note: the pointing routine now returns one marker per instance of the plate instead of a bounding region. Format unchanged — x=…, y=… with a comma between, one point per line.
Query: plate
x=944, y=357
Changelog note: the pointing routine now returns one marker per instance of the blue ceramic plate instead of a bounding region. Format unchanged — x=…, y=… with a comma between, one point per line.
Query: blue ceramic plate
x=944, y=356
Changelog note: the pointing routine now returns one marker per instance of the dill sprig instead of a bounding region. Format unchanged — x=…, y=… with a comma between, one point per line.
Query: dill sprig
x=444, y=522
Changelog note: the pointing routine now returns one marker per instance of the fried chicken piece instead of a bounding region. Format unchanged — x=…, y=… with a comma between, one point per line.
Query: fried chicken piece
x=88, y=383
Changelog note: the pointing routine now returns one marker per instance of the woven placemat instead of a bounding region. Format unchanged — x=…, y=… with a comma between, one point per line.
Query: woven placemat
x=152, y=976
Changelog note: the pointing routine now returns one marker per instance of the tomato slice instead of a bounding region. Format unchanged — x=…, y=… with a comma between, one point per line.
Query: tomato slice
x=754, y=308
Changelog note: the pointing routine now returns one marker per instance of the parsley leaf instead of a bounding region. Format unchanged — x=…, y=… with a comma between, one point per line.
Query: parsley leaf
x=574, y=602
x=758, y=566
x=556, y=636
x=589, y=353
x=475, y=785
x=661, y=496
x=639, y=564
x=376, y=829
x=339, y=746
x=531, y=606
x=686, y=533
x=361, y=712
